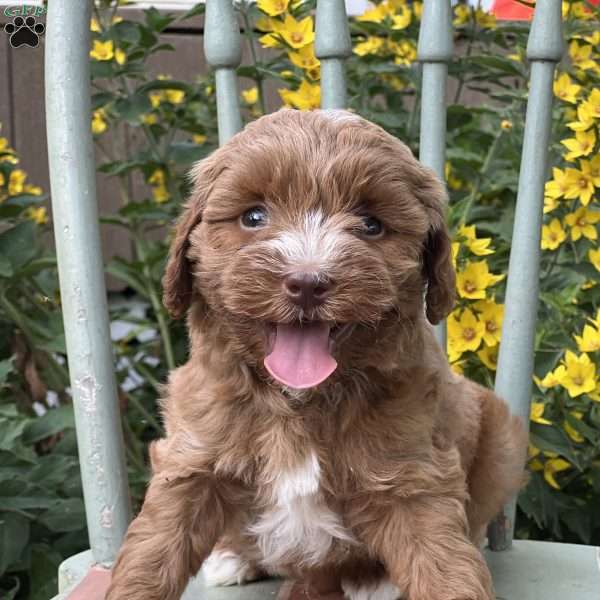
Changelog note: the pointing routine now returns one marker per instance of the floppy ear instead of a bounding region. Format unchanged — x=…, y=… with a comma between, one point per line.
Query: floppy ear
x=178, y=282
x=437, y=253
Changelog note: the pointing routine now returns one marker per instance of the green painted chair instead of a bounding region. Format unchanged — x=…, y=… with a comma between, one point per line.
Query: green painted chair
x=522, y=570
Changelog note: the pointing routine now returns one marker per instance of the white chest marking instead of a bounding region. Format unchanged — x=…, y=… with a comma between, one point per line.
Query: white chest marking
x=382, y=590
x=298, y=527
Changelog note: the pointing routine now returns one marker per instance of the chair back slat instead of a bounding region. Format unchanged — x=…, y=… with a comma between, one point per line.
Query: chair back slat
x=222, y=48
x=434, y=52
x=81, y=274
x=515, y=361
x=332, y=47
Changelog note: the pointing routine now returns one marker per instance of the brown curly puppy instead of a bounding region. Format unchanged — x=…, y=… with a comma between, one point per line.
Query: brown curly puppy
x=317, y=431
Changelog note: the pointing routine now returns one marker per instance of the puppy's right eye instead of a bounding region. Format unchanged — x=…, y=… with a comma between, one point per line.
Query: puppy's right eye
x=255, y=217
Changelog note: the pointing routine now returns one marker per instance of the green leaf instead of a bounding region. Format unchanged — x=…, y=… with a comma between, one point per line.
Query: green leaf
x=66, y=515
x=157, y=20
x=132, y=108
x=14, y=537
x=6, y=367
x=53, y=421
x=552, y=439
x=127, y=273
x=186, y=153
x=17, y=244
x=5, y=266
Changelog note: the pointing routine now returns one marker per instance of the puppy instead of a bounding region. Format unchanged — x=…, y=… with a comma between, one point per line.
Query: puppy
x=316, y=431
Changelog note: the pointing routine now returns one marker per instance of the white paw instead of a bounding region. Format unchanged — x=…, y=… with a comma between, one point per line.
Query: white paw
x=381, y=590
x=224, y=567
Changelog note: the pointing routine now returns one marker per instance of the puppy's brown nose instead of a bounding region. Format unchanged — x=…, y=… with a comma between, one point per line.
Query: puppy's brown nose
x=307, y=290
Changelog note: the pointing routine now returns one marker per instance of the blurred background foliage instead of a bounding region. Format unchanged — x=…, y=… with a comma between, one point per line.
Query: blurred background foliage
x=41, y=511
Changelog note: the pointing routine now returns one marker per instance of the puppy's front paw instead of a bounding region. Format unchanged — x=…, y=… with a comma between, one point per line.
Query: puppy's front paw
x=381, y=590
x=224, y=567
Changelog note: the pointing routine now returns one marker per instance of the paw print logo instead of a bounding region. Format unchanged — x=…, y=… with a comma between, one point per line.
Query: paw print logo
x=24, y=32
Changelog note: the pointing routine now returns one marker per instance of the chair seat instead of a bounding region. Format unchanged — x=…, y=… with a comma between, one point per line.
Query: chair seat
x=529, y=571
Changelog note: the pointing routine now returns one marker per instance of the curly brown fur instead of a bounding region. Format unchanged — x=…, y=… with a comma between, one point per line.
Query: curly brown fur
x=387, y=472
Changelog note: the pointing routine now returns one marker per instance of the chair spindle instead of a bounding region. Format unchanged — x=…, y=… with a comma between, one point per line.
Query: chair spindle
x=223, y=51
x=81, y=276
x=434, y=52
x=332, y=47
x=515, y=361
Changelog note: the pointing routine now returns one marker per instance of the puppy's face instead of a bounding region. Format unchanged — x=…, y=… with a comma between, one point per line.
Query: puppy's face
x=305, y=233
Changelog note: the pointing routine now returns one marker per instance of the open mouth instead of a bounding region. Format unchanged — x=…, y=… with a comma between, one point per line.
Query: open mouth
x=299, y=354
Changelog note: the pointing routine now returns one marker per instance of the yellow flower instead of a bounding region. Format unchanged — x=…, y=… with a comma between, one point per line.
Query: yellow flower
x=491, y=314
x=455, y=247
x=485, y=19
x=589, y=341
x=506, y=125
x=580, y=11
x=295, y=33
x=372, y=45
x=157, y=178
x=475, y=279
x=537, y=412
x=581, y=184
x=120, y=56
x=16, y=182
x=585, y=119
x=489, y=357
x=478, y=246
x=462, y=14
x=34, y=190
x=534, y=463
x=465, y=333
x=581, y=55
x=376, y=14
x=454, y=182
x=405, y=51
x=155, y=99
x=102, y=50
x=37, y=214
x=582, y=223
x=199, y=139
x=552, y=378
x=159, y=190
x=97, y=27
x=551, y=468
x=160, y=194
x=592, y=168
x=592, y=104
x=305, y=58
x=273, y=7
x=581, y=145
x=579, y=376
x=174, y=96
x=250, y=96
x=150, y=119
x=402, y=21
x=565, y=89
x=561, y=182
x=553, y=235
x=571, y=431
x=417, y=8
x=99, y=124
x=306, y=97
x=594, y=256
x=593, y=39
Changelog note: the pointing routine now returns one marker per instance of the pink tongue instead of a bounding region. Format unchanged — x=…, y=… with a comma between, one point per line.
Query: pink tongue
x=300, y=357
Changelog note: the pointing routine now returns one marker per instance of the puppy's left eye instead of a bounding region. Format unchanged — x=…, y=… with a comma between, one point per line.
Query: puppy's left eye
x=255, y=217
x=371, y=226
